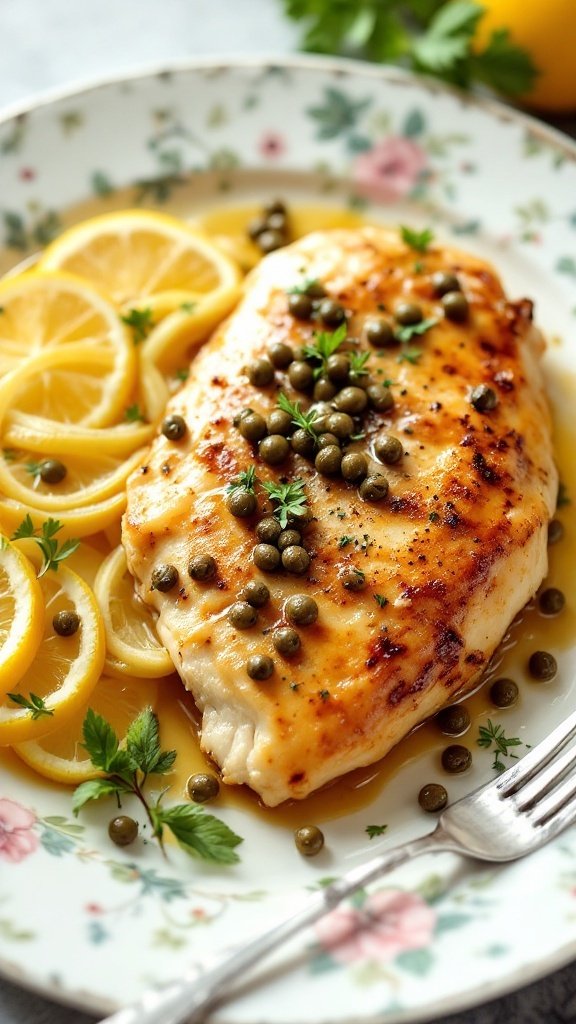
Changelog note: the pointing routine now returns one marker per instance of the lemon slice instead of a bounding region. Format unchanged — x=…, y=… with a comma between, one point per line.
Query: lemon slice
x=76, y=522
x=60, y=756
x=131, y=637
x=64, y=669
x=21, y=615
x=138, y=258
x=24, y=430
x=171, y=344
x=46, y=310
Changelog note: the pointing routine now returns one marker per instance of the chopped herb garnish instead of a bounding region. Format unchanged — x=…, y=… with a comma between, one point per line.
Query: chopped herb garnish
x=304, y=420
x=493, y=736
x=245, y=481
x=9, y=454
x=188, y=307
x=563, y=498
x=345, y=540
x=381, y=600
x=409, y=331
x=52, y=554
x=324, y=694
x=302, y=288
x=419, y=267
x=289, y=499
x=35, y=705
x=141, y=323
x=410, y=355
x=182, y=374
x=134, y=414
x=375, y=830
x=418, y=240
x=434, y=517
x=358, y=362
x=125, y=771
x=325, y=345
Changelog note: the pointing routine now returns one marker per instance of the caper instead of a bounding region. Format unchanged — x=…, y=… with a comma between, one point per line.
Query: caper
x=324, y=390
x=328, y=439
x=328, y=460
x=309, y=840
x=483, y=398
x=286, y=641
x=256, y=227
x=253, y=427
x=432, y=797
x=123, y=830
x=241, y=503
x=555, y=531
x=374, y=488
x=352, y=579
x=408, y=313
x=242, y=615
x=379, y=333
x=455, y=306
x=164, y=577
x=454, y=721
x=331, y=313
x=352, y=400
x=174, y=427
x=202, y=567
x=338, y=368
x=301, y=610
x=268, y=530
x=202, y=787
x=551, y=601
x=503, y=693
x=239, y=416
x=354, y=467
x=52, y=471
x=275, y=206
x=315, y=289
x=302, y=443
x=456, y=759
x=274, y=449
x=388, y=449
x=66, y=623
x=287, y=538
x=260, y=373
x=542, y=666
x=271, y=239
x=380, y=397
x=255, y=593
x=280, y=355
x=300, y=305
x=340, y=424
x=279, y=422
x=295, y=559
x=266, y=557
x=259, y=667
x=300, y=375
x=444, y=282
x=278, y=221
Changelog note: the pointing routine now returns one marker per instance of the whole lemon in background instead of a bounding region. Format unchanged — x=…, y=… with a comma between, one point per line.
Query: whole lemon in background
x=547, y=29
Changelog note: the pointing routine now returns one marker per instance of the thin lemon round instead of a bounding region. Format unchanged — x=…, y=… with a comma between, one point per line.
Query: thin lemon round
x=44, y=310
x=131, y=637
x=138, y=257
x=64, y=670
x=24, y=430
x=21, y=615
x=76, y=522
x=60, y=755
x=172, y=343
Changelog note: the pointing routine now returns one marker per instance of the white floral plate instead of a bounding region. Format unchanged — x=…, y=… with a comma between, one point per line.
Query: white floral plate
x=92, y=926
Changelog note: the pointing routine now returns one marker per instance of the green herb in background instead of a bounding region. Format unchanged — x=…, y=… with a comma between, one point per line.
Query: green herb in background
x=431, y=36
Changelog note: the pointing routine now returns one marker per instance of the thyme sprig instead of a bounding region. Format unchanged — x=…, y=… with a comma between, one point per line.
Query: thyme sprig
x=304, y=420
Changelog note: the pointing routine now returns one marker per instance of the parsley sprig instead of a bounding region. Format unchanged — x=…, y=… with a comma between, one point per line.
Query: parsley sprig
x=304, y=420
x=36, y=705
x=141, y=323
x=409, y=331
x=358, y=362
x=426, y=35
x=126, y=770
x=134, y=414
x=326, y=343
x=245, y=481
x=289, y=500
x=493, y=737
x=418, y=240
x=51, y=552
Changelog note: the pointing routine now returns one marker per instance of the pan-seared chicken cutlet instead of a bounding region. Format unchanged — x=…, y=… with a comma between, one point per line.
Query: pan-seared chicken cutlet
x=418, y=527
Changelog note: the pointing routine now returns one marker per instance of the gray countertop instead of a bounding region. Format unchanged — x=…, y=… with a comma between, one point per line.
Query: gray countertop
x=52, y=43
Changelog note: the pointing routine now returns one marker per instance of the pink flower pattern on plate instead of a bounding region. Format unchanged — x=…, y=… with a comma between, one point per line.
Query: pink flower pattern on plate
x=272, y=145
x=400, y=921
x=17, y=840
x=389, y=170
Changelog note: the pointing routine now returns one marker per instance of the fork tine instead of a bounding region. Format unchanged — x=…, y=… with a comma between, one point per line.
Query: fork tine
x=515, y=778
x=559, y=821
x=553, y=802
x=550, y=775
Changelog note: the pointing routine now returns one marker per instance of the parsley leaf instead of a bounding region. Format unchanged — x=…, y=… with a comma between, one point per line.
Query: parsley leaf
x=199, y=834
x=418, y=240
x=326, y=343
x=345, y=540
x=290, y=500
x=410, y=355
x=302, y=288
x=409, y=331
x=134, y=414
x=143, y=744
x=141, y=323
x=51, y=552
x=375, y=830
x=94, y=789
x=358, y=362
x=35, y=705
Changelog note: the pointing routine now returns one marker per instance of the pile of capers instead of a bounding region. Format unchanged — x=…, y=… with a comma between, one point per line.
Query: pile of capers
x=270, y=230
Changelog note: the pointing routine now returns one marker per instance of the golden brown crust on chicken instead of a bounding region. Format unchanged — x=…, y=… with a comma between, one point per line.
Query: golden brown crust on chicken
x=449, y=557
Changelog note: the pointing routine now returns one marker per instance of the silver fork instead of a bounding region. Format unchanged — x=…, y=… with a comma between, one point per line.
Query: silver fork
x=513, y=815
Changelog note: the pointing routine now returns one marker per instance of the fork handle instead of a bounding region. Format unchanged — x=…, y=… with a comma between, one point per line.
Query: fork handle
x=189, y=997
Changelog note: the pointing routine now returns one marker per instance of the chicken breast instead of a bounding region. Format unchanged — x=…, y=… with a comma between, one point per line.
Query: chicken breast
x=414, y=589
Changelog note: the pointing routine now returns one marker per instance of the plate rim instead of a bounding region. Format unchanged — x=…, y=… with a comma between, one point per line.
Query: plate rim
x=498, y=109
